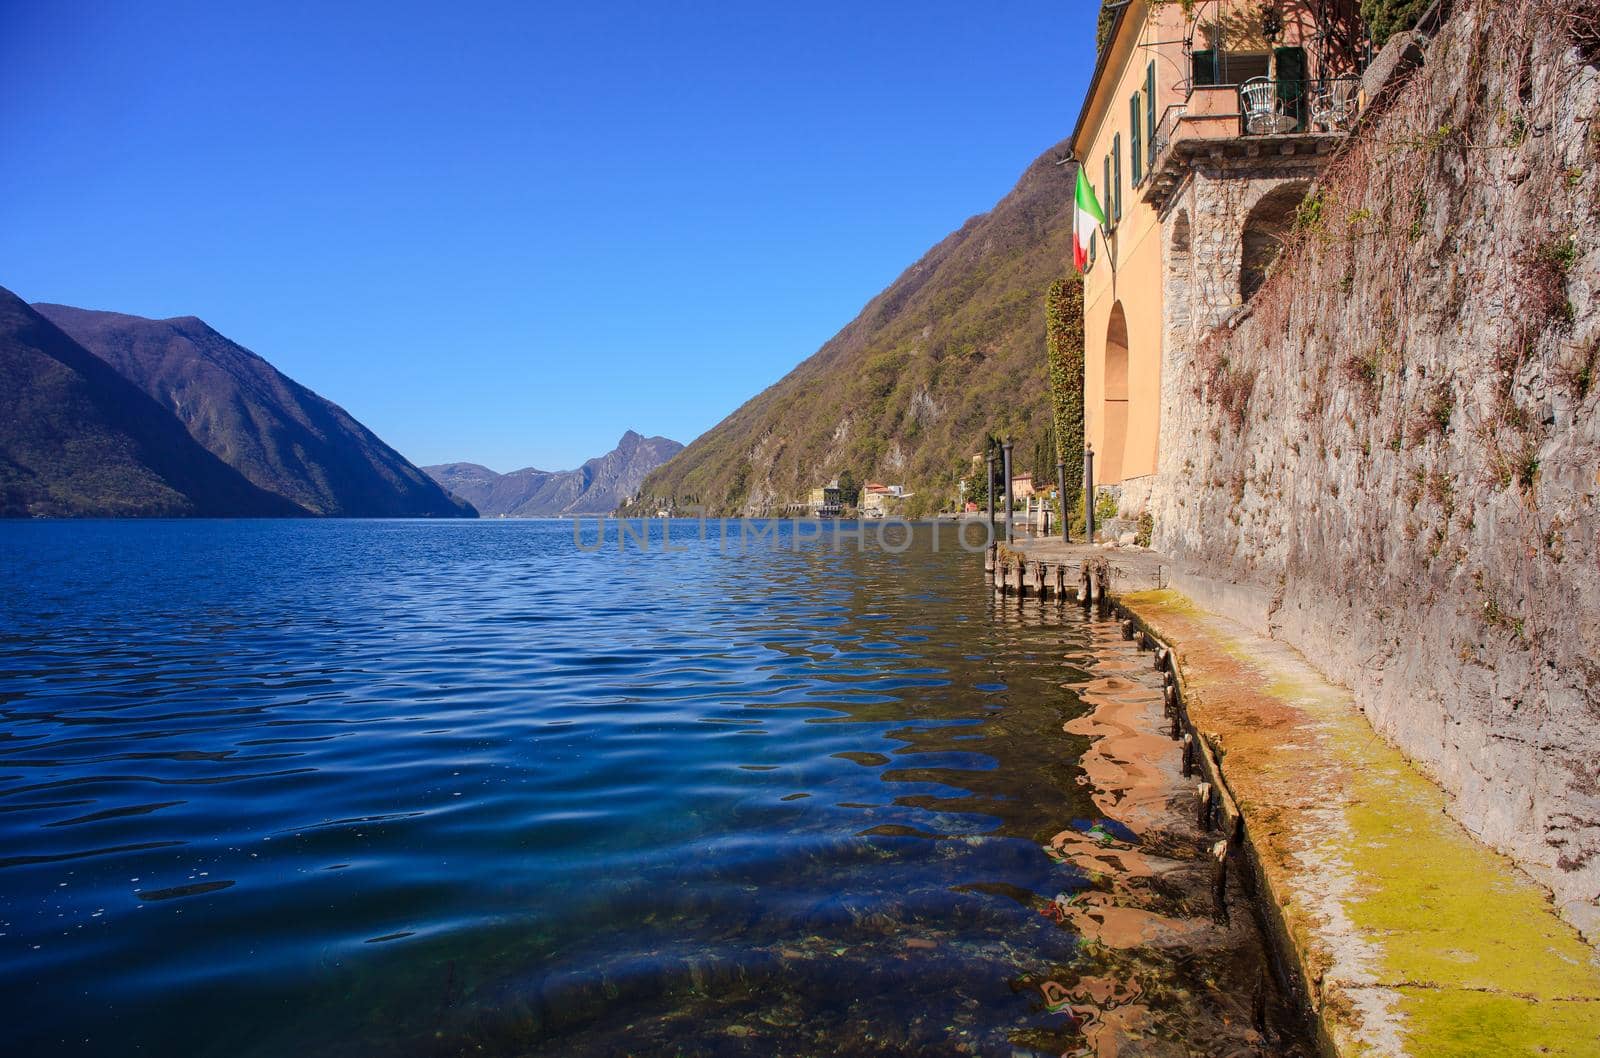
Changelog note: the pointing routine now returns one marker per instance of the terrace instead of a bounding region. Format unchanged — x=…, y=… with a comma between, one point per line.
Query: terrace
x=1264, y=80
x=1258, y=118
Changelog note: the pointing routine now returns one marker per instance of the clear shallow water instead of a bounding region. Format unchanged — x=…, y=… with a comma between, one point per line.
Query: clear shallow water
x=355, y=788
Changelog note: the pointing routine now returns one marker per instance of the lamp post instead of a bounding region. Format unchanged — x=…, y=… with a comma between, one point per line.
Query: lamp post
x=1061, y=493
x=1088, y=491
x=1006, y=449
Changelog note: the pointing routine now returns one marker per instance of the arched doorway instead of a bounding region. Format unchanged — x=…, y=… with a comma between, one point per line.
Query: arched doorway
x=1265, y=228
x=1115, y=434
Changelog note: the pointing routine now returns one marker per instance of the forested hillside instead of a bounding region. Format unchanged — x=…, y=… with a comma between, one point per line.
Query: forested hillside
x=950, y=353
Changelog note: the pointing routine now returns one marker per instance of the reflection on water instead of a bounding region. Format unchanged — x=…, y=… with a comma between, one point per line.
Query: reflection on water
x=408, y=788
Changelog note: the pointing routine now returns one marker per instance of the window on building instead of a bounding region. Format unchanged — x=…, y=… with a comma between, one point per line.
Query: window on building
x=1291, y=74
x=1116, y=176
x=1150, y=115
x=1227, y=67
x=1240, y=66
x=1106, y=202
x=1135, y=151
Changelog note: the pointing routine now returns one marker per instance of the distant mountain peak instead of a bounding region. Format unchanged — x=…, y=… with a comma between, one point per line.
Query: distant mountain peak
x=599, y=486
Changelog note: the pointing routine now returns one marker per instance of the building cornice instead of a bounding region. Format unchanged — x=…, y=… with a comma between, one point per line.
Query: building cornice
x=1102, y=62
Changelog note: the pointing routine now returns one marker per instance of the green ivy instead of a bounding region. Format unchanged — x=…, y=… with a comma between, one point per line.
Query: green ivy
x=1064, y=347
x=1108, y=18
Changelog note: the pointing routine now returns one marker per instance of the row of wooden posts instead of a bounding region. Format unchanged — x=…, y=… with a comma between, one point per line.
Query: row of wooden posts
x=1085, y=582
x=1014, y=574
x=1215, y=808
x=1216, y=812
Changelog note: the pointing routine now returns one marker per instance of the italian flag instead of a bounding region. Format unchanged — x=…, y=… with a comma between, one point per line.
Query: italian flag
x=1089, y=217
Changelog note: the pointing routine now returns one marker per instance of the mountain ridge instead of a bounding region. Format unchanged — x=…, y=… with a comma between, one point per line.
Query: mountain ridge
x=78, y=439
x=599, y=486
x=951, y=353
x=277, y=433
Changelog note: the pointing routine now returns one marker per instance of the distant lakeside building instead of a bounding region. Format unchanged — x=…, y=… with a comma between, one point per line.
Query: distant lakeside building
x=879, y=500
x=826, y=501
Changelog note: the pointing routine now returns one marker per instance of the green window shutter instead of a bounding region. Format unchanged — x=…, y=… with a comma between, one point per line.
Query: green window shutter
x=1203, y=68
x=1108, y=203
x=1135, y=154
x=1150, y=114
x=1291, y=64
x=1116, y=175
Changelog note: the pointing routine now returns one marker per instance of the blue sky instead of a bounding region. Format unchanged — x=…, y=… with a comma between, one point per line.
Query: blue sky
x=506, y=232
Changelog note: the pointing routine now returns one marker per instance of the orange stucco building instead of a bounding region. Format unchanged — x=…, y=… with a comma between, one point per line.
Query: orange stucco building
x=1184, y=98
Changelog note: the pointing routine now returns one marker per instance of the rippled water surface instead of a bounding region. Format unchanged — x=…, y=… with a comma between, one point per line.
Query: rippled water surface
x=396, y=788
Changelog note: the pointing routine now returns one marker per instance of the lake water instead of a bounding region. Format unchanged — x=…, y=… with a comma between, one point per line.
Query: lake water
x=396, y=788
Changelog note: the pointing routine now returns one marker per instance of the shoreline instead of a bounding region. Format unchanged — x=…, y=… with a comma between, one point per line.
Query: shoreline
x=1405, y=934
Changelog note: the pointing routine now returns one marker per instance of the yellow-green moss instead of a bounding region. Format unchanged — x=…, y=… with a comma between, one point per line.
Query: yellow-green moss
x=1469, y=951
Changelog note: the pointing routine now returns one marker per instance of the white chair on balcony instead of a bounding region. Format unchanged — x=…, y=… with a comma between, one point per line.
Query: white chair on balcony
x=1333, y=106
x=1259, y=99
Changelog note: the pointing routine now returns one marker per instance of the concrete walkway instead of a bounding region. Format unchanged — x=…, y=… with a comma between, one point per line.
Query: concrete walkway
x=1414, y=939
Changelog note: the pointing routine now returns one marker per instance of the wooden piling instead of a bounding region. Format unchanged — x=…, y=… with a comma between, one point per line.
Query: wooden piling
x=1203, y=793
x=1219, y=853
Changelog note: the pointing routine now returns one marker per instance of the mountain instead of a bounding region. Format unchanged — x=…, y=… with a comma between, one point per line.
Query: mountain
x=275, y=432
x=952, y=350
x=600, y=486
x=78, y=439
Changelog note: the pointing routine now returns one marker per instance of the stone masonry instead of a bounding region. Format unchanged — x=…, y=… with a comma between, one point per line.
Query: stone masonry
x=1389, y=456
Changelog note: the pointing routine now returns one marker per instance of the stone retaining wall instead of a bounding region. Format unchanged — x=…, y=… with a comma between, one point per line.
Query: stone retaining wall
x=1395, y=451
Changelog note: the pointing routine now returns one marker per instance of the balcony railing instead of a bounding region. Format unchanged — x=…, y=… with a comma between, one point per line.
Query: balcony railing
x=1166, y=128
x=1276, y=108
x=1307, y=116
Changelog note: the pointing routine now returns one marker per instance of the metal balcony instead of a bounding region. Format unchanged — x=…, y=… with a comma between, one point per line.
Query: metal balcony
x=1258, y=118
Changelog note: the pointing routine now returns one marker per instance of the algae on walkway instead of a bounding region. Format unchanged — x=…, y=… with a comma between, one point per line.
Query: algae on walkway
x=1415, y=939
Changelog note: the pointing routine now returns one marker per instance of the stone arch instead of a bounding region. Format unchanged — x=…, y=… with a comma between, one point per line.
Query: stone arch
x=1265, y=229
x=1114, y=436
